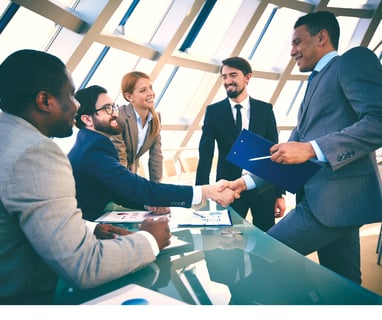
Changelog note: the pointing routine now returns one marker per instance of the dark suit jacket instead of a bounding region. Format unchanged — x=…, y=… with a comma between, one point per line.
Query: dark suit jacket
x=101, y=178
x=219, y=126
x=343, y=114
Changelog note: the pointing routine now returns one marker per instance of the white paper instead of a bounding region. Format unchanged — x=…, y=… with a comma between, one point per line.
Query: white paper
x=128, y=216
x=206, y=218
x=134, y=294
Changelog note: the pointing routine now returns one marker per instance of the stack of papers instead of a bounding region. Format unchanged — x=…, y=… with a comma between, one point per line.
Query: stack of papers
x=206, y=218
x=128, y=216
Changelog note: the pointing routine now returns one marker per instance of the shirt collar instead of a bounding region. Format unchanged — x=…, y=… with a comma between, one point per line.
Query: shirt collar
x=325, y=60
x=244, y=103
x=149, y=117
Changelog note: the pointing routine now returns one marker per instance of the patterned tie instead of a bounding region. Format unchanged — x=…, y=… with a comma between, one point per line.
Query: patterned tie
x=238, y=117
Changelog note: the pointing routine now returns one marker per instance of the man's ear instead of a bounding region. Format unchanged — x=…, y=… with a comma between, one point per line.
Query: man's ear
x=87, y=120
x=43, y=100
x=323, y=37
x=248, y=77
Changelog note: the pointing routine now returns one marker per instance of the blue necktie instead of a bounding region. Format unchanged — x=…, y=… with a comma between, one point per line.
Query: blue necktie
x=311, y=76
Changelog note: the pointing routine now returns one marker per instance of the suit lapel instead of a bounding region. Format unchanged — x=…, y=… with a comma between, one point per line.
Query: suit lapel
x=252, y=114
x=312, y=88
x=227, y=116
x=133, y=129
x=147, y=143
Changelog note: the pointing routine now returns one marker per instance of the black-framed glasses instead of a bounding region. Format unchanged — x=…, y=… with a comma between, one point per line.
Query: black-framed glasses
x=109, y=108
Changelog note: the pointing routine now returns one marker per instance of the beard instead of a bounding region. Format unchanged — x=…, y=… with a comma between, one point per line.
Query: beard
x=234, y=93
x=107, y=127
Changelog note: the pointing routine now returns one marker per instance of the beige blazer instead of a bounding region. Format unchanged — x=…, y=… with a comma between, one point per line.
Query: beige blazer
x=127, y=144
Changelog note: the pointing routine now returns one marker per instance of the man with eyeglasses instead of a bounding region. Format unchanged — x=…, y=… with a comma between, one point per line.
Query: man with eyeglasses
x=101, y=178
x=43, y=234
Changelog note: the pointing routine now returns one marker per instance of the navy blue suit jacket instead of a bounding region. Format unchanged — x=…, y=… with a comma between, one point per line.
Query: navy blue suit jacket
x=219, y=126
x=101, y=178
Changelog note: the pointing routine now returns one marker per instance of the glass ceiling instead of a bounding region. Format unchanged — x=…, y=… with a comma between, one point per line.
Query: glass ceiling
x=180, y=44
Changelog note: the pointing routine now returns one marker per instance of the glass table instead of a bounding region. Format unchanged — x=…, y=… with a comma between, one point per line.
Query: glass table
x=236, y=265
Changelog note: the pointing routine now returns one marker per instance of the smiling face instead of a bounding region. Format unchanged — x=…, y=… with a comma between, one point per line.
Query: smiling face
x=102, y=121
x=235, y=82
x=306, y=48
x=143, y=95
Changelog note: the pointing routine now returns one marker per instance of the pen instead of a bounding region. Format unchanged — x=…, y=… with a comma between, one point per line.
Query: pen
x=198, y=214
x=259, y=158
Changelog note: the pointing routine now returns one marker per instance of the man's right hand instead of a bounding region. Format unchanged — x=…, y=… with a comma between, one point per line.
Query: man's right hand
x=237, y=185
x=159, y=229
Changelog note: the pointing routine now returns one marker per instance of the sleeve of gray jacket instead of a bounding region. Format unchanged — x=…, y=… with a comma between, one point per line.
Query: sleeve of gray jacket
x=261, y=184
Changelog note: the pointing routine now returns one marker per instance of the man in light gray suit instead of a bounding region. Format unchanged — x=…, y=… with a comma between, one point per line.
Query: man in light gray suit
x=42, y=233
x=339, y=124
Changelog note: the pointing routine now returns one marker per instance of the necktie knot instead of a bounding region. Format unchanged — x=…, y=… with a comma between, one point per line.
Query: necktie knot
x=238, y=107
x=312, y=75
x=238, y=117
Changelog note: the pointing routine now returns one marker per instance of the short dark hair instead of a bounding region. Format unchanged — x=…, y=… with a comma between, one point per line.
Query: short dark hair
x=316, y=21
x=87, y=98
x=26, y=72
x=237, y=63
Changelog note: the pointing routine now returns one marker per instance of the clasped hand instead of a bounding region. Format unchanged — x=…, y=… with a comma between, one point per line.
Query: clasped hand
x=222, y=194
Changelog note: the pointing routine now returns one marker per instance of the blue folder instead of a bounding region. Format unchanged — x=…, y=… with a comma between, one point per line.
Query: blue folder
x=289, y=177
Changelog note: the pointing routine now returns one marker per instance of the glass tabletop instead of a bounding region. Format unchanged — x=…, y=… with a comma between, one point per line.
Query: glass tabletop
x=234, y=265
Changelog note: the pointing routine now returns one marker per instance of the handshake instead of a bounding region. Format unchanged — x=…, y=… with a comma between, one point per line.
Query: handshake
x=224, y=192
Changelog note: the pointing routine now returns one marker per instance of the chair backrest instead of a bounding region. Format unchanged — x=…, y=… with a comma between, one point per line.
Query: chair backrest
x=189, y=164
x=170, y=172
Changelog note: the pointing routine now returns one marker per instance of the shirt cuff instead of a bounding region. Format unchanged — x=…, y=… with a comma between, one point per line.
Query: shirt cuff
x=249, y=182
x=152, y=241
x=90, y=225
x=319, y=154
x=197, y=194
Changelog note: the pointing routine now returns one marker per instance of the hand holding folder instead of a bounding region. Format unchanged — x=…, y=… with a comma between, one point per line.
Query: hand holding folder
x=251, y=152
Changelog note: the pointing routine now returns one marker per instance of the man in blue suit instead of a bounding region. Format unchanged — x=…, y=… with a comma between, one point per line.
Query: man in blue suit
x=222, y=125
x=101, y=178
x=43, y=235
x=339, y=123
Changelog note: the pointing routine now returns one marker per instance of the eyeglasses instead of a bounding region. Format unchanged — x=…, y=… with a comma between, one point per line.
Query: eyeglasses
x=109, y=108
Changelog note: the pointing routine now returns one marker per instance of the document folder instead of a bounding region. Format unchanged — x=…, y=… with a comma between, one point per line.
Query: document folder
x=289, y=177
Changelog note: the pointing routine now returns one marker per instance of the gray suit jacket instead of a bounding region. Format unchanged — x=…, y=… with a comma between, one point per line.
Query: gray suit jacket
x=127, y=144
x=343, y=114
x=42, y=233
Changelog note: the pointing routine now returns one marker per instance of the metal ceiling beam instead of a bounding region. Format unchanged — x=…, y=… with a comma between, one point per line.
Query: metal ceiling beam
x=59, y=15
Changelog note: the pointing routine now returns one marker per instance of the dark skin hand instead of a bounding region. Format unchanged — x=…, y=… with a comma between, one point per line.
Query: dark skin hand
x=108, y=231
x=160, y=230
